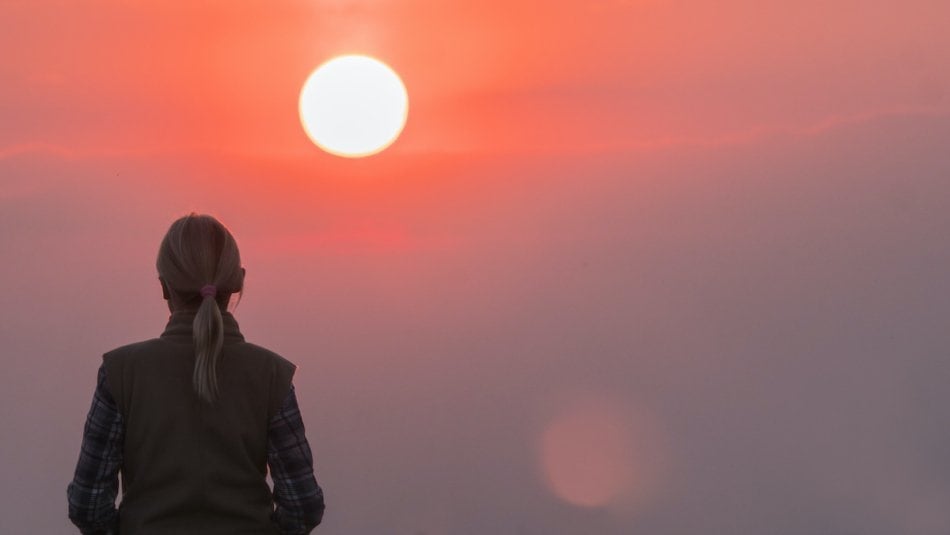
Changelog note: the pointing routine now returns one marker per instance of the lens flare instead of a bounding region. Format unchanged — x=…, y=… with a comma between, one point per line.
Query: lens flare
x=598, y=454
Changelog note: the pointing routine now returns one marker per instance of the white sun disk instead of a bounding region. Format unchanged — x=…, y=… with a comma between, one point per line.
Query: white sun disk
x=353, y=106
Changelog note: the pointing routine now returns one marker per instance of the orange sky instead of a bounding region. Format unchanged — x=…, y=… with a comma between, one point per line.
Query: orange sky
x=496, y=77
x=721, y=224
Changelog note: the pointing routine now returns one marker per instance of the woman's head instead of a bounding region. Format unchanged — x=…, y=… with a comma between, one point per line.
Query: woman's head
x=200, y=267
x=198, y=251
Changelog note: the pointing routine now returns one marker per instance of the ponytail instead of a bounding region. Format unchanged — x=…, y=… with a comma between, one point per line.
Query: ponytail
x=198, y=249
x=209, y=338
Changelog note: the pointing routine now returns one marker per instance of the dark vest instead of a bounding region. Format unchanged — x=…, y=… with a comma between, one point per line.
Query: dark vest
x=190, y=467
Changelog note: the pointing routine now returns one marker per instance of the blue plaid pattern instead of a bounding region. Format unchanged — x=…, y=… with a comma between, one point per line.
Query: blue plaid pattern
x=298, y=498
x=92, y=493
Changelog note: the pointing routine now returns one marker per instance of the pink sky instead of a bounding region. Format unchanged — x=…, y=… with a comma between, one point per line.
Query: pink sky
x=722, y=225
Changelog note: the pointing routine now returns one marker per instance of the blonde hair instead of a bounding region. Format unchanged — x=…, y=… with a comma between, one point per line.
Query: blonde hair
x=198, y=251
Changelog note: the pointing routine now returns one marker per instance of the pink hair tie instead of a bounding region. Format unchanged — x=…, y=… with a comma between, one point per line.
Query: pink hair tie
x=208, y=290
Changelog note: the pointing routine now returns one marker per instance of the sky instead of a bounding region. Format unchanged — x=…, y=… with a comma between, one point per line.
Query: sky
x=645, y=266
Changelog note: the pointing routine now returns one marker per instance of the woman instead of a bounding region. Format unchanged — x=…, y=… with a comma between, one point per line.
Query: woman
x=193, y=419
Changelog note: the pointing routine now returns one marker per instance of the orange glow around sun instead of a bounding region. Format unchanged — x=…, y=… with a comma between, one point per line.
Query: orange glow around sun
x=353, y=106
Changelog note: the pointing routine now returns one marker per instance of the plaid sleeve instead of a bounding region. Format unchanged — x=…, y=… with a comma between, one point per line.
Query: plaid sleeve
x=297, y=496
x=92, y=493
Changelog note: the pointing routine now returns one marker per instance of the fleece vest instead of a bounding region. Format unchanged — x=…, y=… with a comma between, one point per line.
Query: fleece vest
x=190, y=467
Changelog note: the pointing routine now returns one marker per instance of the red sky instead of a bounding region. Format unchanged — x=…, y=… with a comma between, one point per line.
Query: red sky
x=495, y=77
x=722, y=223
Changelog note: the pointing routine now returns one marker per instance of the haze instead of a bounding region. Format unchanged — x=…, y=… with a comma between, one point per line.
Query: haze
x=633, y=267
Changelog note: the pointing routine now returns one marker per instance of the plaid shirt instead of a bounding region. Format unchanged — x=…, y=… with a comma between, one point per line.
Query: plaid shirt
x=297, y=496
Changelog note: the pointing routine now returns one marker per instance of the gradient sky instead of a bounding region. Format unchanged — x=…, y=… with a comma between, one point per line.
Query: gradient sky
x=645, y=266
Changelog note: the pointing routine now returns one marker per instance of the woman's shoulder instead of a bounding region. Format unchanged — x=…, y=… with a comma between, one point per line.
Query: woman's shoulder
x=254, y=351
x=133, y=349
x=142, y=356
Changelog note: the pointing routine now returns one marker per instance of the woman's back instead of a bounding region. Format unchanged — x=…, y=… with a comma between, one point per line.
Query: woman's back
x=194, y=419
x=190, y=465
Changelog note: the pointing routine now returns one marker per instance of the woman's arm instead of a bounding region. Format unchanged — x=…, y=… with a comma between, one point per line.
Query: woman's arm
x=297, y=496
x=92, y=493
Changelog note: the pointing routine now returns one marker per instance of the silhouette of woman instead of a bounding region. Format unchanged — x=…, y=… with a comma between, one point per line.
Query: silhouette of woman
x=193, y=419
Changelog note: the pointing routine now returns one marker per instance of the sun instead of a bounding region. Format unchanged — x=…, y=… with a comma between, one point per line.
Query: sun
x=353, y=106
